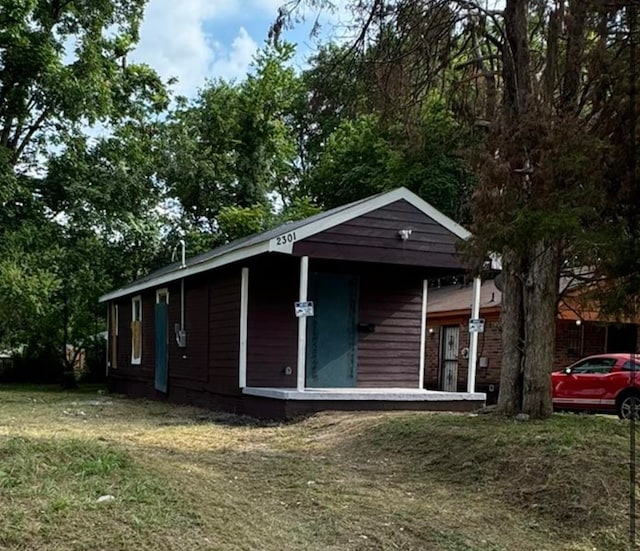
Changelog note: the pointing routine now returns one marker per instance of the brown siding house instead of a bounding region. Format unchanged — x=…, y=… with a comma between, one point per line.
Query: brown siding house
x=324, y=313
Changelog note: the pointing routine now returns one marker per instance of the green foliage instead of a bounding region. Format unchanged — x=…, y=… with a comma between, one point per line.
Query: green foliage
x=338, y=88
x=363, y=157
x=64, y=232
x=233, y=146
x=237, y=222
x=298, y=209
x=357, y=161
x=45, y=85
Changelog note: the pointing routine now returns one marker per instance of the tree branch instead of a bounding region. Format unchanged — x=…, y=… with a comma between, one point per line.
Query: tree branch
x=37, y=125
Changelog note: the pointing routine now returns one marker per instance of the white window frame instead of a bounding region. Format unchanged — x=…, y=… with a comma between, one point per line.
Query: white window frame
x=137, y=298
x=112, y=334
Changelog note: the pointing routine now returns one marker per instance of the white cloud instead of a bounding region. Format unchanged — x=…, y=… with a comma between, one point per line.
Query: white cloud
x=234, y=62
x=178, y=38
x=173, y=39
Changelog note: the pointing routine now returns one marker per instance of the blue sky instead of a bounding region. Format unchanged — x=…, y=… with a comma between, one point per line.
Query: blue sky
x=196, y=40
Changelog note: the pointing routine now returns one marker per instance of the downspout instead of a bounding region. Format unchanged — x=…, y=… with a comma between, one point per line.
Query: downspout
x=180, y=333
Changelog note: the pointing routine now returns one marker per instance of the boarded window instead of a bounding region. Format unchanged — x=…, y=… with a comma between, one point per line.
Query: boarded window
x=113, y=336
x=136, y=330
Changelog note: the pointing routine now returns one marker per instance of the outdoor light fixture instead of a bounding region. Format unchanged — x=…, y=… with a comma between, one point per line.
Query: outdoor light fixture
x=578, y=322
x=404, y=234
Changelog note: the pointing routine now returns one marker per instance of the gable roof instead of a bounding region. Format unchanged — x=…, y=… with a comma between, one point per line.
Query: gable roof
x=272, y=240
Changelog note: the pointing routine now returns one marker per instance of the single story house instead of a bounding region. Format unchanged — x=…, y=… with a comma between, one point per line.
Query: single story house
x=579, y=333
x=324, y=313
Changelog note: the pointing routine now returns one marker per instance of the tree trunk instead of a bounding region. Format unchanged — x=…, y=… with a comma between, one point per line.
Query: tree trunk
x=573, y=68
x=512, y=321
x=516, y=70
x=541, y=294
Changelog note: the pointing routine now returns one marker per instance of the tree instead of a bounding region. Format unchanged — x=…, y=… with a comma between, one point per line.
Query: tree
x=362, y=157
x=63, y=66
x=93, y=226
x=59, y=67
x=539, y=84
x=232, y=149
x=543, y=200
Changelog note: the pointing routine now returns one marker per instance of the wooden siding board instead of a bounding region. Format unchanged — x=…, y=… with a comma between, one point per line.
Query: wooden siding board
x=391, y=300
x=224, y=331
x=344, y=234
x=189, y=362
x=367, y=253
x=392, y=225
x=374, y=237
x=272, y=331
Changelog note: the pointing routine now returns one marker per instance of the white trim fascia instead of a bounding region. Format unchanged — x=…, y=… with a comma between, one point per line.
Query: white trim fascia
x=442, y=219
x=284, y=242
x=222, y=260
x=244, y=317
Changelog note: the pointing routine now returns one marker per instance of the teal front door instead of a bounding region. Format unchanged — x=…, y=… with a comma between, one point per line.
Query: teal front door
x=162, y=344
x=331, y=331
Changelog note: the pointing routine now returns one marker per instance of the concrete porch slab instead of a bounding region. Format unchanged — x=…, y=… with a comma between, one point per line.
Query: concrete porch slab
x=368, y=394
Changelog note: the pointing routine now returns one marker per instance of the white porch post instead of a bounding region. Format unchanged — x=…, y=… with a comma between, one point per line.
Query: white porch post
x=423, y=334
x=302, y=324
x=473, y=341
x=244, y=315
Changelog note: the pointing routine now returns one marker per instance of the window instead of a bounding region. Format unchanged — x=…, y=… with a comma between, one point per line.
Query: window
x=629, y=366
x=594, y=365
x=574, y=340
x=136, y=330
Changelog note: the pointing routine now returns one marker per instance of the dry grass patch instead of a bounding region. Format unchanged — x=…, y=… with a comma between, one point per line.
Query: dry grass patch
x=186, y=478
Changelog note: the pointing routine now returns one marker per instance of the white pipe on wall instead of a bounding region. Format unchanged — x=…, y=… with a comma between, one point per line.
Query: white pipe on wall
x=302, y=324
x=473, y=340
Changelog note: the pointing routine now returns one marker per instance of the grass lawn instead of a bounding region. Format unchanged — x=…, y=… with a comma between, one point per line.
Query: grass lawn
x=189, y=479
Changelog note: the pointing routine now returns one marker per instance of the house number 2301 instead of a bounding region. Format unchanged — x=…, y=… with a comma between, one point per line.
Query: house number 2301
x=286, y=238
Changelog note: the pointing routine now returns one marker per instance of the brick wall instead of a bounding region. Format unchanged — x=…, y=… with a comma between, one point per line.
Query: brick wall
x=572, y=343
x=489, y=346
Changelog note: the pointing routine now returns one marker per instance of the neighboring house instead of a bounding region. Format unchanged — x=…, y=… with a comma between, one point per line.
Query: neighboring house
x=221, y=330
x=579, y=333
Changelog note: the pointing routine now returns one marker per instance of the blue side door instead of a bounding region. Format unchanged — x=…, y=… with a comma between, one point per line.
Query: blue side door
x=162, y=345
x=331, y=331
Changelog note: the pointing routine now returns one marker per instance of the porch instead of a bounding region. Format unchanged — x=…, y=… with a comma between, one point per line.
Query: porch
x=290, y=403
x=366, y=394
